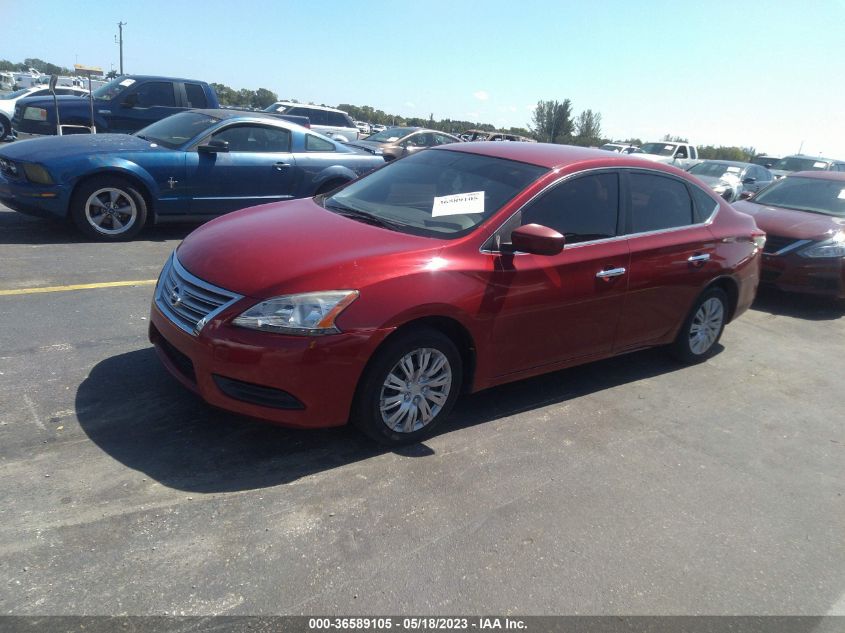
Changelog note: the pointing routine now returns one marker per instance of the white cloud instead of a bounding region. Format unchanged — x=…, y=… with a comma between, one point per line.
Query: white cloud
x=481, y=95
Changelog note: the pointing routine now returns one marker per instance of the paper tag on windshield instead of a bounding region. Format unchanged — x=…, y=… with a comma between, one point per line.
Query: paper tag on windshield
x=127, y=82
x=733, y=170
x=841, y=195
x=668, y=147
x=458, y=204
x=820, y=165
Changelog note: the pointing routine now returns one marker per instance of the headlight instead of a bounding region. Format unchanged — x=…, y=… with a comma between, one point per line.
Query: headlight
x=307, y=314
x=35, y=114
x=37, y=174
x=9, y=166
x=833, y=247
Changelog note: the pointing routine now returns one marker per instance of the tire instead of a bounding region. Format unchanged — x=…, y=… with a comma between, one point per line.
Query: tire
x=394, y=406
x=108, y=209
x=5, y=128
x=331, y=185
x=703, y=327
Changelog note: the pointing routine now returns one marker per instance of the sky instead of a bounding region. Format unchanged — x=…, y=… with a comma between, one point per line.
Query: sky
x=764, y=74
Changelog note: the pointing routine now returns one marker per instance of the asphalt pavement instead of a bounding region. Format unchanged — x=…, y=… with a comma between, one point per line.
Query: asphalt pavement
x=628, y=486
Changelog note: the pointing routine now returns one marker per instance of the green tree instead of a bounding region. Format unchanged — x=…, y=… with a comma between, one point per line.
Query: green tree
x=588, y=129
x=674, y=139
x=263, y=98
x=552, y=121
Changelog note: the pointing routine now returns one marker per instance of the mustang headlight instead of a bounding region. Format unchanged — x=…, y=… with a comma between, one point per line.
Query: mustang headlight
x=833, y=247
x=37, y=174
x=307, y=314
x=35, y=114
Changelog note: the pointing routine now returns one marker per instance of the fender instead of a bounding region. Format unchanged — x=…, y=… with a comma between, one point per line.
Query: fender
x=99, y=165
x=335, y=172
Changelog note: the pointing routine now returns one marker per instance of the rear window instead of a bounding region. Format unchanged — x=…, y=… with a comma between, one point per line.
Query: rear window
x=196, y=96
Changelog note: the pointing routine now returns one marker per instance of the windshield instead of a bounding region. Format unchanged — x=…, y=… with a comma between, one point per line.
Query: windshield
x=792, y=163
x=716, y=170
x=178, y=129
x=390, y=135
x=661, y=149
x=15, y=94
x=436, y=193
x=806, y=194
x=113, y=88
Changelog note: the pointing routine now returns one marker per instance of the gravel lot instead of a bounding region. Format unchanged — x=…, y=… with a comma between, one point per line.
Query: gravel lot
x=630, y=486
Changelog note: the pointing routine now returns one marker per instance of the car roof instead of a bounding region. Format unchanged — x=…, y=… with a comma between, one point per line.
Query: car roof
x=159, y=77
x=553, y=156
x=818, y=158
x=228, y=113
x=819, y=175
x=733, y=163
x=308, y=105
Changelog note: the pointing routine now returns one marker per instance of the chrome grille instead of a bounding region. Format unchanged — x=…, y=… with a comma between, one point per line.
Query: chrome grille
x=188, y=301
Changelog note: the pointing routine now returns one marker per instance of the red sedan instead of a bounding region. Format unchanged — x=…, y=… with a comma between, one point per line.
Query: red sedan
x=804, y=217
x=451, y=270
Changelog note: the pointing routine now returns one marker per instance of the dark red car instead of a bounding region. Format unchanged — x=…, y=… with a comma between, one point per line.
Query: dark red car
x=452, y=270
x=804, y=217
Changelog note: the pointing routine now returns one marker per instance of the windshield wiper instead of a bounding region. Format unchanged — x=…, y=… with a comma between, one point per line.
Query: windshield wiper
x=362, y=216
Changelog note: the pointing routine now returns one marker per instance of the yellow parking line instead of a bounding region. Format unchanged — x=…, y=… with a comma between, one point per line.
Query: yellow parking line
x=105, y=284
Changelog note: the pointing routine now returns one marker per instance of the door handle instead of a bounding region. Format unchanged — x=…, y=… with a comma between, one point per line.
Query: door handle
x=610, y=273
x=280, y=166
x=699, y=259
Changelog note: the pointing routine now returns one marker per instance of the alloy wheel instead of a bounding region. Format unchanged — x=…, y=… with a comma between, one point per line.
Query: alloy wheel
x=415, y=390
x=111, y=211
x=706, y=325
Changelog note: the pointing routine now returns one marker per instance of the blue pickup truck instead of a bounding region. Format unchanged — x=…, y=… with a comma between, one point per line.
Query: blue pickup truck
x=125, y=104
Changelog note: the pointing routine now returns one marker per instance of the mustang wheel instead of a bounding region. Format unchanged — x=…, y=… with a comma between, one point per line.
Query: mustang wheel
x=109, y=209
x=409, y=387
x=702, y=328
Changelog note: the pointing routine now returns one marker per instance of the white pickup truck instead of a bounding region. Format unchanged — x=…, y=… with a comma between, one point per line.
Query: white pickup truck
x=681, y=155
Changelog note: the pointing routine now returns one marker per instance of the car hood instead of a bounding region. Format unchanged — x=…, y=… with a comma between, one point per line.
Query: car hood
x=371, y=147
x=56, y=147
x=298, y=246
x=655, y=157
x=801, y=225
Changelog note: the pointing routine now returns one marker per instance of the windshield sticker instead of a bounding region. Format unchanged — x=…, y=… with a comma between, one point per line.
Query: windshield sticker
x=820, y=165
x=733, y=170
x=841, y=195
x=668, y=147
x=127, y=82
x=458, y=204
x=392, y=138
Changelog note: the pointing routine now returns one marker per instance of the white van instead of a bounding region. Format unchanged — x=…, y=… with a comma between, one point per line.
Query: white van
x=332, y=122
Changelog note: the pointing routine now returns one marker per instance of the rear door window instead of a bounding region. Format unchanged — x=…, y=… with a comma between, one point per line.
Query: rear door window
x=196, y=96
x=155, y=93
x=658, y=202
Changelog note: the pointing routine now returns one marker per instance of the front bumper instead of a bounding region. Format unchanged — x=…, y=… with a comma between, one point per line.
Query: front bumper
x=793, y=273
x=38, y=200
x=302, y=382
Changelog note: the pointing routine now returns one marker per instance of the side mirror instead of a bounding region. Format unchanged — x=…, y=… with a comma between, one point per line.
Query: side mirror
x=749, y=181
x=535, y=239
x=130, y=101
x=746, y=195
x=214, y=147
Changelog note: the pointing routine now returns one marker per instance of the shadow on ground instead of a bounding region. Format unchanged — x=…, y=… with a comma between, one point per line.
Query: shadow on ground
x=773, y=301
x=135, y=412
x=16, y=228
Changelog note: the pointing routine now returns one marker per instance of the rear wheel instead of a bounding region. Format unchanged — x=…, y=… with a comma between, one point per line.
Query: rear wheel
x=702, y=328
x=329, y=186
x=409, y=387
x=109, y=209
x=5, y=128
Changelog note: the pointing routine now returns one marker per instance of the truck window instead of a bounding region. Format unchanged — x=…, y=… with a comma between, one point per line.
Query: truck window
x=682, y=152
x=196, y=96
x=155, y=93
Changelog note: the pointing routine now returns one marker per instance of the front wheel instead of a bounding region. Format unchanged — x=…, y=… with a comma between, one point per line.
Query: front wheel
x=109, y=209
x=703, y=327
x=5, y=128
x=409, y=387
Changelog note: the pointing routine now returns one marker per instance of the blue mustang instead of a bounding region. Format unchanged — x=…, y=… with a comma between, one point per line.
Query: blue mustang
x=191, y=166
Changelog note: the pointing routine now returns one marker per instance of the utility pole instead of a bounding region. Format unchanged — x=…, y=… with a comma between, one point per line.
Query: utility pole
x=120, y=26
